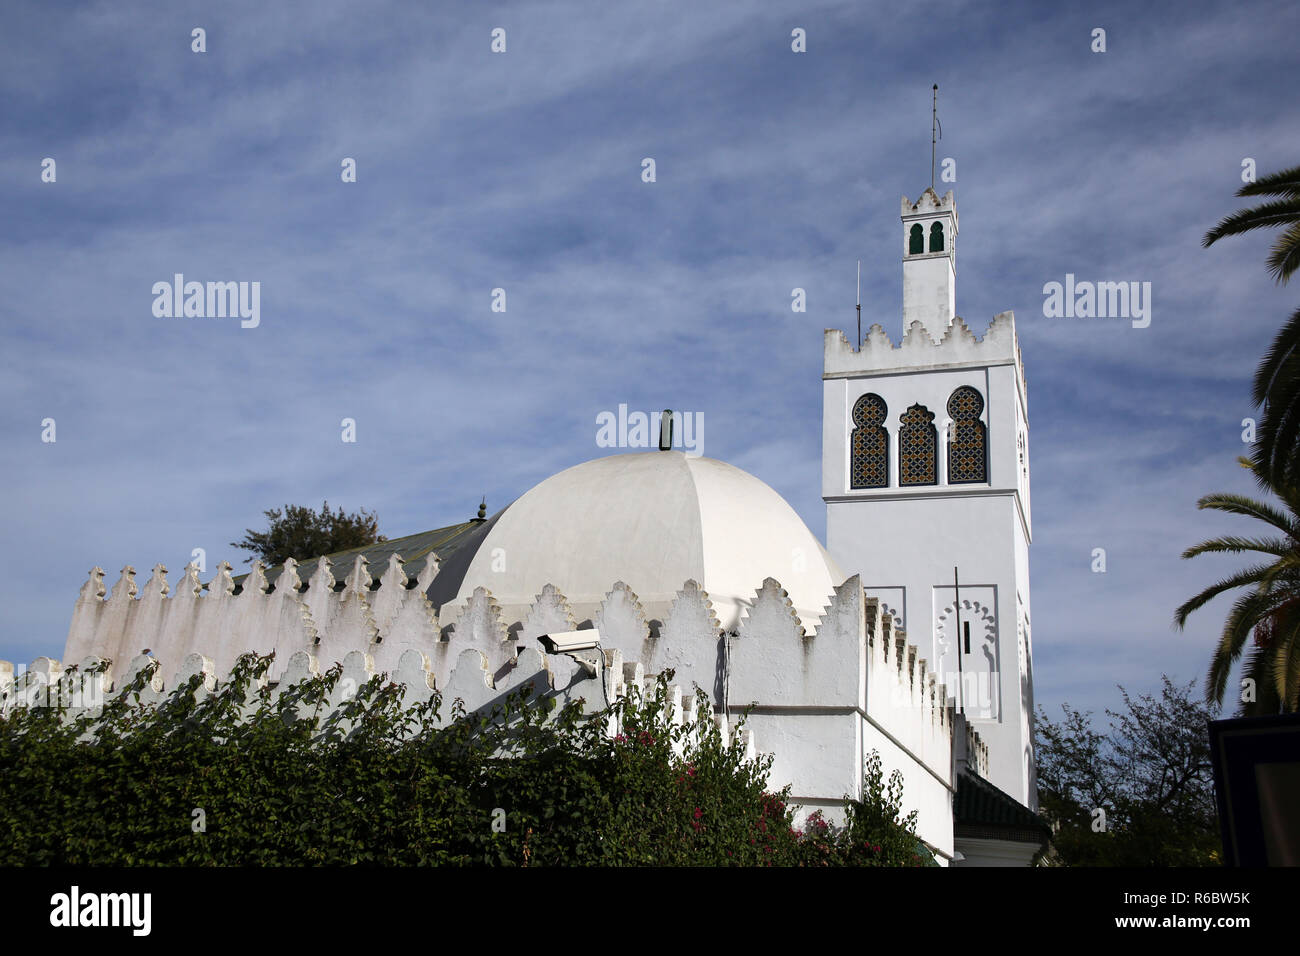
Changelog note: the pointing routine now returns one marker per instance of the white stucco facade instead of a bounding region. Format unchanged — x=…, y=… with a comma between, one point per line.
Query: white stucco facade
x=982, y=528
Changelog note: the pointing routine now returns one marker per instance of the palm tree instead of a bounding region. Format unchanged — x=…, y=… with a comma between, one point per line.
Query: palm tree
x=1277, y=380
x=1277, y=389
x=1285, y=257
x=1269, y=605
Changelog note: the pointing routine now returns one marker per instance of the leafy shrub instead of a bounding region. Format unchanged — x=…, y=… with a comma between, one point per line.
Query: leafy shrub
x=243, y=776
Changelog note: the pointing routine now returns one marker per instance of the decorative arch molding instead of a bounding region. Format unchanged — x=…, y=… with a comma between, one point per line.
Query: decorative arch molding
x=978, y=674
x=896, y=616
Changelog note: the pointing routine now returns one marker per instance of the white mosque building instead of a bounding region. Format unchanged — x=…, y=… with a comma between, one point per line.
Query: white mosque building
x=908, y=634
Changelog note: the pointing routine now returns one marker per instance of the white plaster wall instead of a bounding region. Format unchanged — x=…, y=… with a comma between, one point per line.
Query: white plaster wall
x=928, y=794
x=818, y=755
x=914, y=544
x=909, y=538
x=929, y=284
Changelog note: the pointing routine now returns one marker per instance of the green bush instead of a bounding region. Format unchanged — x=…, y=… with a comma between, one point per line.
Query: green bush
x=243, y=776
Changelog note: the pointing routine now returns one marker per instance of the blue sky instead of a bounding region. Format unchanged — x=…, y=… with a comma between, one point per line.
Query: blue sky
x=522, y=170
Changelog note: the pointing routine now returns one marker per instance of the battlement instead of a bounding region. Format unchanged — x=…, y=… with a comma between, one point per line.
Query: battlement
x=927, y=204
x=972, y=752
x=385, y=617
x=849, y=667
x=958, y=348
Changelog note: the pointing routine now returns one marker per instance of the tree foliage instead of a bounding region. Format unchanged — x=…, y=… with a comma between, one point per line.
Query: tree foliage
x=1150, y=776
x=1284, y=212
x=1267, y=605
x=1276, y=386
x=372, y=783
x=302, y=533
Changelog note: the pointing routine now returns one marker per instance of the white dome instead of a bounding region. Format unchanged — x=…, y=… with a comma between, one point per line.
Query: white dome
x=652, y=520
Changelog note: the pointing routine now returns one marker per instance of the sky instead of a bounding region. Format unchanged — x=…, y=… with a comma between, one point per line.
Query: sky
x=523, y=170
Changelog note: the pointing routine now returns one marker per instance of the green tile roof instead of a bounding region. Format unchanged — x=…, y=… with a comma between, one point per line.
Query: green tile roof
x=413, y=549
x=981, y=809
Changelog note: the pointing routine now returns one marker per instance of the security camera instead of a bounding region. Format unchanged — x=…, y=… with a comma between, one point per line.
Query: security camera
x=580, y=646
x=566, y=642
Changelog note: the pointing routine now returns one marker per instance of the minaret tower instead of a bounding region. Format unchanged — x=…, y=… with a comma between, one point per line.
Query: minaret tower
x=930, y=262
x=925, y=469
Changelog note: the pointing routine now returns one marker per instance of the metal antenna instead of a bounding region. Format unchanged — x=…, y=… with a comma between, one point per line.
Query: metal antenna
x=961, y=677
x=934, y=126
x=859, y=304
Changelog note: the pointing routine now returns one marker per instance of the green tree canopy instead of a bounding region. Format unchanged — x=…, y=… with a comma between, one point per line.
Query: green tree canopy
x=1150, y=777
x=302, y=533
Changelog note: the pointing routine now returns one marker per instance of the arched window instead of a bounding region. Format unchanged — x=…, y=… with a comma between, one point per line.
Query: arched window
x=936, y=237
x=968, y=454
x=917, y=459
x=917, y=240
x=869, y=465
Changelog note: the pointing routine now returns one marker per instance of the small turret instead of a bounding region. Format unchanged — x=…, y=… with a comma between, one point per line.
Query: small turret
x=930, y=262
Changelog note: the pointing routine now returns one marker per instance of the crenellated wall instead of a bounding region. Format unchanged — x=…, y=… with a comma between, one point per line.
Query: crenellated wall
x=820, y=695
x=957, y=347
x=83, y=690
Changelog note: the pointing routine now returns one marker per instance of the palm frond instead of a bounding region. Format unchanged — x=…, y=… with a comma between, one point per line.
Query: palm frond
x=1285, y=571
x=1277, y=438
x=1286, y=665
x=1232, y=544
x=1284, y=258
x=1281, y=212
x=1240, y=579
x=1285, y=182
x=1241, y=505
x=1258, y=669
x=1246, y=614
x=1283, y=353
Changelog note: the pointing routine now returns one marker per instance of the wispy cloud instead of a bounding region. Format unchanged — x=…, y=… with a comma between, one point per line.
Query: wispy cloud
x=522, y=171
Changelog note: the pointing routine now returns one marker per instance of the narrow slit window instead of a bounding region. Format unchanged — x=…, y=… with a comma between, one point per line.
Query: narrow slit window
x=917, y=242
